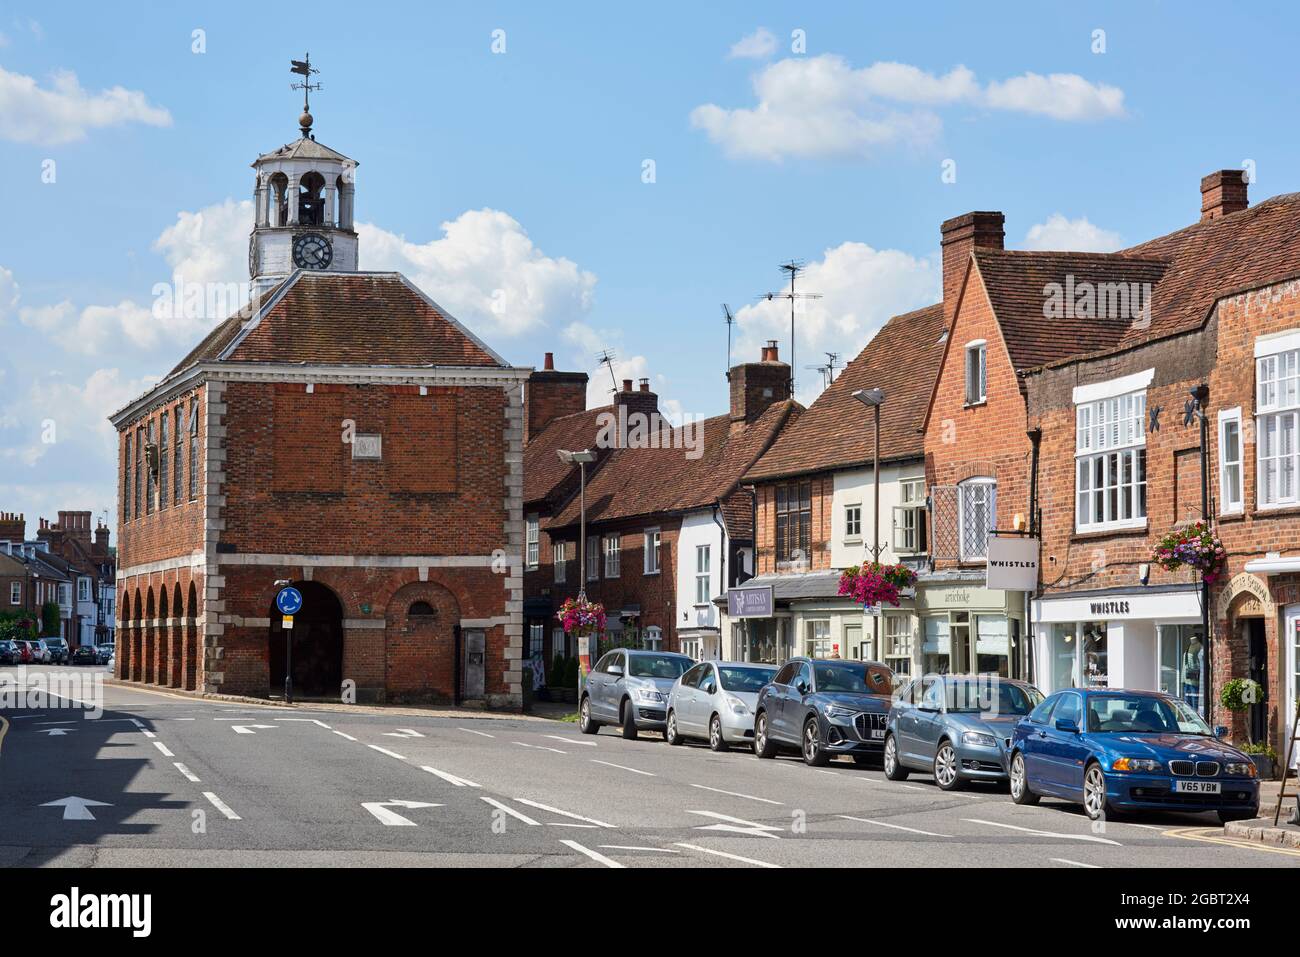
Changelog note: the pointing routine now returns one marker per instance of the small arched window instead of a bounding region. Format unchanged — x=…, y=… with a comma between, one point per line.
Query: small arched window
x=421, y=609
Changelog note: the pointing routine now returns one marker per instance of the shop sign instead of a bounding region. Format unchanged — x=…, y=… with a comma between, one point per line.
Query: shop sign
x=1245, y=584
x=1013, y=564
x=753, y=602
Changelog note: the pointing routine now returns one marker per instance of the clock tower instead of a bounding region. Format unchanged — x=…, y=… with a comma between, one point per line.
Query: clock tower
x=304, y=201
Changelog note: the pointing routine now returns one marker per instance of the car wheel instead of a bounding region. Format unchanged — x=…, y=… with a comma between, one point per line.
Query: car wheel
x=586, y=724
x=814, y=755
x=1094, y=792
x=629, y=720
x=1020, y=792
x=894, y=769
x=946, y=772
x=716, y=741
x=764, y=746
x=670, y=730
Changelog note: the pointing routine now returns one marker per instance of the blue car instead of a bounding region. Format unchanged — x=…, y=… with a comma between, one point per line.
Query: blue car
x=1114, y=751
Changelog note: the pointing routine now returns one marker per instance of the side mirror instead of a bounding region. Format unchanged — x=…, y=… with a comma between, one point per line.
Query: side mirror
x=1221, y=731
x=1068, y=726
x=801, y=687
x=616, y=670
x=710, y=688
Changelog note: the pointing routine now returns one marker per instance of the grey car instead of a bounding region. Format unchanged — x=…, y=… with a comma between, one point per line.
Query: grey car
x=956, y=727
x=715, y=700
x=629, y=688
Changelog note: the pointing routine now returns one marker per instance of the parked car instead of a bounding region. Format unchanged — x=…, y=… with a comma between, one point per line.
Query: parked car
x=58, y=649
x=824, y=707
x=630, y=688
x=9, y=653
x=955, y=726
x=24, y=649
x=104, y=652
x=715, y=700
x=40, y=651
x=1115, y=750
x=85, y=655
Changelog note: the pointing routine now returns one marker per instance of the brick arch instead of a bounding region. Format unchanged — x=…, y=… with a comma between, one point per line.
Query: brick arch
x=123, y=635
x=136, y=672
x=190, y=641
x=175, y=634
x=419, y=650
x=162, y=638
x=970, y=470
x=150, y=630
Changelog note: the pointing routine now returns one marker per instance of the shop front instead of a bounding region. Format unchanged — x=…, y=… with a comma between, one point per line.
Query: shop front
x=1137, y=638
x=966, y=628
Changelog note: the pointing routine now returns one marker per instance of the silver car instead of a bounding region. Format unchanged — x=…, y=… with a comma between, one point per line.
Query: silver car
x=715, y=700
x=629, y=688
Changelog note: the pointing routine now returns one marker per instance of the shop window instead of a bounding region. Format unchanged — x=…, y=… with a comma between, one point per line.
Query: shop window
x=992, y=645
x=909, y=518
x=817, y=636
x=1182, y=664
x=937, y=645
x=1094, y=656
x=1110, y=463
x=898, y=643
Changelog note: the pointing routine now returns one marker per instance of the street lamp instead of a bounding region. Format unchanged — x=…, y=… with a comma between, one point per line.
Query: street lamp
x=874, y=399
x=582, y=459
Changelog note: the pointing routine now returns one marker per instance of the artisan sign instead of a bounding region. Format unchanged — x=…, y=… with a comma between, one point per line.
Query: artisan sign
x=1013, y=564
x=754, y=602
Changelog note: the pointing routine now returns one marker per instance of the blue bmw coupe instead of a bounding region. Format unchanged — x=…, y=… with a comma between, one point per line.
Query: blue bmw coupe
x=1114, y=751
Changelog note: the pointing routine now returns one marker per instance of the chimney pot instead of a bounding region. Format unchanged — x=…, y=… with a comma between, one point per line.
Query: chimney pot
x=1223, y=193
x=549, y=362
x=627, y=385
x=645, y=385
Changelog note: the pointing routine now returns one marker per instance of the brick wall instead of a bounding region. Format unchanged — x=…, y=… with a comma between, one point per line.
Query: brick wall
x=656, y=594
x=821, y=518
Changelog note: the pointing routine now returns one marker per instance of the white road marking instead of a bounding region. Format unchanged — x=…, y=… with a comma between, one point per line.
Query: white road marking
x=450, y=778
x=43, y=723
x=380, y=809
x=736, y=794
x=163, y=748
x=512, y=812
x=482, y=734
x=538, y=747
x=569, y=814
x=76, y=808
x=1030, y=830
x=560, y=737
x=250, y=728
x=913, y=787
x=634, y=847
x=1063, y=860
x=391, y=754
x=190, y=775
x=221, y=806
x=342, y=735
x=182, y=719
x=594, y=855
x=315, y=721
x=897, y=827
x=56, y=732
x=732, y=857
x=738, y=825
x=621, y=767
x=403, y=733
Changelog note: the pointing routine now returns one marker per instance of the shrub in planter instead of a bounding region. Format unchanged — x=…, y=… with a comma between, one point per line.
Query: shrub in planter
x=1264, y=756
x=1239, y=694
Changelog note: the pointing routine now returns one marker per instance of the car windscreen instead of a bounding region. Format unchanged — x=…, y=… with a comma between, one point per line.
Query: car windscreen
x=1143, y=714
x=745, y=679
x=656, y=666
x=852, y=677
x=992, y=696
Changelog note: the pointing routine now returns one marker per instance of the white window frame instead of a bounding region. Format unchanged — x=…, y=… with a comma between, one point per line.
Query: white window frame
x=1110, y=435
x=15, y=593
x=650, y=548
x=703, y=574
x=654, y=638
x=977, y=372
x=1228, y=504
x=853, y=522
x=559, y=561
x=83, y=589
x=65, y=594
x=898, y=645
x=593, y=558
x=1277, y=408
x=909, y=518
x=613, y=548
x=532, y=542
x=963, y=490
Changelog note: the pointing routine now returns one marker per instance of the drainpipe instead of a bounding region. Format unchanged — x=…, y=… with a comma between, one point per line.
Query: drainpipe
x=1202, y=395
x=1035, y=439
x=722, y=571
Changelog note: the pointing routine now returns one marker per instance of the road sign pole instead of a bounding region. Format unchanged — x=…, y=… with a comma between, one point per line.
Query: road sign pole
x=288, y=666
x=289, y=601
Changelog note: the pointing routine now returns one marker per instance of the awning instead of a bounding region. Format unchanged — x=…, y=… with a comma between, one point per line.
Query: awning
x=1274, y=565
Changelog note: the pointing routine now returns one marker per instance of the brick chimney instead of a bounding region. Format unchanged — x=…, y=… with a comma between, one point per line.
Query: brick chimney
x=102, y=533
x=636, y=400
x=550, y=394
x=1223, y=193
x=756, y=385
x=13, y=528
x=960, y=235
x=76, y=525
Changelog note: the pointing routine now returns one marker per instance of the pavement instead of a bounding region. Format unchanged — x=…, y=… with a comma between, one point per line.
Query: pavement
x=169, y=780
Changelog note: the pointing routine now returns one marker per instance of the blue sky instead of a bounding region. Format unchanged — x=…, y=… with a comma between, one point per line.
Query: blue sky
x=517, y=177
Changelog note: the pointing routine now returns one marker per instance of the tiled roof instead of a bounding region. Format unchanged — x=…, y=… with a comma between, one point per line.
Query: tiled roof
x=835, y=432
x=544, y=473
x=340, y=318
x=647, y=481
x=1190, y=269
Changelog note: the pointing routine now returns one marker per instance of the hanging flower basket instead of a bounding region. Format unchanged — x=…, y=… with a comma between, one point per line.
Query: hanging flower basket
x=872, y=583
x=1193, y=547
x=581, y=617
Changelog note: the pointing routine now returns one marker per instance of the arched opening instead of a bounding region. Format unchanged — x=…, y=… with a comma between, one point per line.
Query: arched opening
x=420, y=648
x=344, y=190
x=162, y=637
x=150, y=636
x=175, y=673
x=278, y=200
x=317, y=637
x=311, y=199
x=137, y=640
x=123, y=636
x=421, y=609
x=191, y=654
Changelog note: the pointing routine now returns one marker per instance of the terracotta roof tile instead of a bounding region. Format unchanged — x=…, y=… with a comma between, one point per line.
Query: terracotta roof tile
x=544, y=474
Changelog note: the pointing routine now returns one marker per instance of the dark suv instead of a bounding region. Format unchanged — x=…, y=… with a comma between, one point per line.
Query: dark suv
x=824, y=707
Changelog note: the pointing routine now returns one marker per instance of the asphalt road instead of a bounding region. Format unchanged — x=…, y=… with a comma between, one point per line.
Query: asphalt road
x=184, y=782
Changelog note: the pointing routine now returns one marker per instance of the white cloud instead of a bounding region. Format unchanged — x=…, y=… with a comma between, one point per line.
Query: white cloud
x=8, y=293
x=823, y=107
x=97, y=329
x=756, y=46
x=1071, y=235
x=861, y=288
x=486, y=271
x=209, y=245
x=64, y=112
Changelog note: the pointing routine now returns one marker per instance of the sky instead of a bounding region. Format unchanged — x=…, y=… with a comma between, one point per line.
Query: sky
x=578, y=177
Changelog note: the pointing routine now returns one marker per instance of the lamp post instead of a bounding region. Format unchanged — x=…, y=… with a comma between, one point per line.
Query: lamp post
x=582, y=459
x=874, y=399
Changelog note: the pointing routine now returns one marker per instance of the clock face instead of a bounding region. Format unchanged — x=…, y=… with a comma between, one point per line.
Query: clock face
x=312, y=251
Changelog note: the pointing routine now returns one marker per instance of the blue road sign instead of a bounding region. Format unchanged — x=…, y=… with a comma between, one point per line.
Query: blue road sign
x=289, y=601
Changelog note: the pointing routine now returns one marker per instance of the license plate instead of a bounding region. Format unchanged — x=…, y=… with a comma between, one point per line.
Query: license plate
x=1197, y=787
x=877, y=732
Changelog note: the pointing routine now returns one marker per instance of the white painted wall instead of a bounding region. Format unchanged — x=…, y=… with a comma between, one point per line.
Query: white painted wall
x=856, y=488
x=698, y=528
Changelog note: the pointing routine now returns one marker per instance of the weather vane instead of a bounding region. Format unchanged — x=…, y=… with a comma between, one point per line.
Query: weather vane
x=304, y=69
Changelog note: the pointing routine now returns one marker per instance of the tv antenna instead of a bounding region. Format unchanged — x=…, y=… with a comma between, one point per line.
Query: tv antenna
x=731, y=320
x=606, y=357
x=793, y=268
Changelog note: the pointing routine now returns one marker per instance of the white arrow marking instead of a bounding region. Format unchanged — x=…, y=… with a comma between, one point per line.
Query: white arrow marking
x=315, y=721
x=403, y=733
x=250, y=728
x=738, y=824
x=56, y=732
x=733, y=857
x=380, y=809
x=75, y=808
x=1030, y=830
x=596, y=856
x=450, y=778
